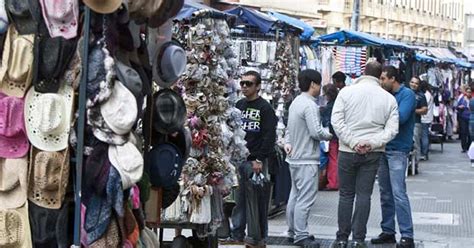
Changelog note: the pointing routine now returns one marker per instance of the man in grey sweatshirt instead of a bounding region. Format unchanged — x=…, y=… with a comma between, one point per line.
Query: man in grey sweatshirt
x=302, y=138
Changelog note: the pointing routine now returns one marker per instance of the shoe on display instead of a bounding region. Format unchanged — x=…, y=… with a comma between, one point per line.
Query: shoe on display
x=384, y=238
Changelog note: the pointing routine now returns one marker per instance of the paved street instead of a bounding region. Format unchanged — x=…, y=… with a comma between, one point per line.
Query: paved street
x=442, y=198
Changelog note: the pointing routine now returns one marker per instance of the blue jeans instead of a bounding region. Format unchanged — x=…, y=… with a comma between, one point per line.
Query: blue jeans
x=393, y=194
x=425, y=138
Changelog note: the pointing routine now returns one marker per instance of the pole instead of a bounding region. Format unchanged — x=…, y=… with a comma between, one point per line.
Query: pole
x=355, y=15
x=80, y=130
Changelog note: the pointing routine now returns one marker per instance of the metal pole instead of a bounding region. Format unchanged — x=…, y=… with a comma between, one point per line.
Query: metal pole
x=80, y=130
x=355, y=15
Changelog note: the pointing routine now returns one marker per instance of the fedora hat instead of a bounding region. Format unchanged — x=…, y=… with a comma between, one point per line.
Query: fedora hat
x=169, y=112
x=16, y=71
x=15, y=230
x=48, y=118
x=165, y=163
x=128, y=161
x=103, y=6
x=13, y=182
x=25, y=15
x=13, y=139
x=170, y=64
x=3, y=17
x=120, y=111
x=61, y=17
x=48, y=178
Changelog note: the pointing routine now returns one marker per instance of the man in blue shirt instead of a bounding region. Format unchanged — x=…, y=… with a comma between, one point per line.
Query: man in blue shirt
x=394, y=162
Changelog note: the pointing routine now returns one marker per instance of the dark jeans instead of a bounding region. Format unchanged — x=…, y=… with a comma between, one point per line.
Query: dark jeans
x=356, y=178
x=249, y=211
x=425, y=139
x=464, y=134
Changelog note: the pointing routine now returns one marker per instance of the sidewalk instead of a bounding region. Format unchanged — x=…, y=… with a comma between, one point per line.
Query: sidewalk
x=441, y=198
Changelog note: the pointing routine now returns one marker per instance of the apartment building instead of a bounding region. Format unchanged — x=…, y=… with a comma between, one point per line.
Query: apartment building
x=422, y=22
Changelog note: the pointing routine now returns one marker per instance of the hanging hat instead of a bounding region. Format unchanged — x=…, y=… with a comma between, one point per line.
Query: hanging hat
x=170, y=112
x=170, y=64
x=99, y=209
x=165, y=163
x=167, y=10
x=48, y=118
x=128, y=161
x=50, y=227
x=3, y=17
x=13, y=139
x=183, y=140
x=25, y=14
x=101, y=130
x=143, y=9
x=16, y=71
x=120, y=110
x=15, y=228
x=111, y=238
x=130, y=78
x=13, y=182
x=100, y=77
x=48, y=178
x=52, y=57
x=61, y=17
x=96, y=170
x=103, y=6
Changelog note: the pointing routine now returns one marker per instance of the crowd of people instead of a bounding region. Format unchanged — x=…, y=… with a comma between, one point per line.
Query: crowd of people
x=365, y=131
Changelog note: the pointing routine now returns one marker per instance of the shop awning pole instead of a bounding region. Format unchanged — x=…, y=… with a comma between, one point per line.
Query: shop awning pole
x=80, y=130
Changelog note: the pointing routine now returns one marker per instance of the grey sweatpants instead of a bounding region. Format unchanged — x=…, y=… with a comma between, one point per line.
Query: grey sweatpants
x=304, y=186
x=417, y=139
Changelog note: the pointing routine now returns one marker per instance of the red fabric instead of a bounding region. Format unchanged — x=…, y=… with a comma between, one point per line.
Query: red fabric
x=333, y=179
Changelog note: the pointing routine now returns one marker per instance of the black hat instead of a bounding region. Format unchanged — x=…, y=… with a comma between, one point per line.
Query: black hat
x=164, y=166
x=25, y=14
x=170, y=112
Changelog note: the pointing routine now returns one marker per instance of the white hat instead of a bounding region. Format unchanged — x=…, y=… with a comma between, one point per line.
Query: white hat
x=48, y=118
x=128, y=161
x=120, y=111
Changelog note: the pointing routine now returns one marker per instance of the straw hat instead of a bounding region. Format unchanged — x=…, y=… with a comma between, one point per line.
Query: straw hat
x=13, y=139
x=16, y=71
x=48, y=178
x=48, y=118
x=13, y=182
x=15, y=228
x=103, y=6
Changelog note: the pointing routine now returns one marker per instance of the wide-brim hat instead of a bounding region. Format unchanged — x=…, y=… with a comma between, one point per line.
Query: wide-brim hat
x=25, y=14
x=52, y=58
x=48, y=118
x=13, y=140
x=164, y=165
x=61, y=17
x=99, y=209
x=50, y=227
x=169, y=112
x=13, y=182
x=103, y=6
x=120, y=111
x=170, y=64
x=15, y=229
x=128, y=161
x=48, y=178
x=16, y=71
x=183, y=140
x=3, y=17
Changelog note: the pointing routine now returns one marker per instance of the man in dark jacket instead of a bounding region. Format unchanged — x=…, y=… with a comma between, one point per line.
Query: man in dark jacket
x=259, y=122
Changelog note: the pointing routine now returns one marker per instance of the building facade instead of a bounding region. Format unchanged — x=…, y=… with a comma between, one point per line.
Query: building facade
x=421, y=22
x=469, y=36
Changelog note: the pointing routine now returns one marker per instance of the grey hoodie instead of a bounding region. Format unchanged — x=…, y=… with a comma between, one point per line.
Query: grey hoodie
x=304, y=130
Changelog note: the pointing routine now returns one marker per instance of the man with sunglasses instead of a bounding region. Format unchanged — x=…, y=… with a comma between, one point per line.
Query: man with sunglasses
x=259, y=123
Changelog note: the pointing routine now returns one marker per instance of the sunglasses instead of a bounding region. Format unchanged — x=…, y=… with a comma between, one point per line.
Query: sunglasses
x=246, y=83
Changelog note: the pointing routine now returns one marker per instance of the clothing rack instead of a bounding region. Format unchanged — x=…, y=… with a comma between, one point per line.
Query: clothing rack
x=81, y=129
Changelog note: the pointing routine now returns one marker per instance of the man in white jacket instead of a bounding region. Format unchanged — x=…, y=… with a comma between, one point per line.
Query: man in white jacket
x=365, y=118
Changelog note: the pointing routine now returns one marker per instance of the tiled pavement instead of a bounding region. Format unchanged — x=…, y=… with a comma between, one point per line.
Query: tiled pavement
x=442, y=200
